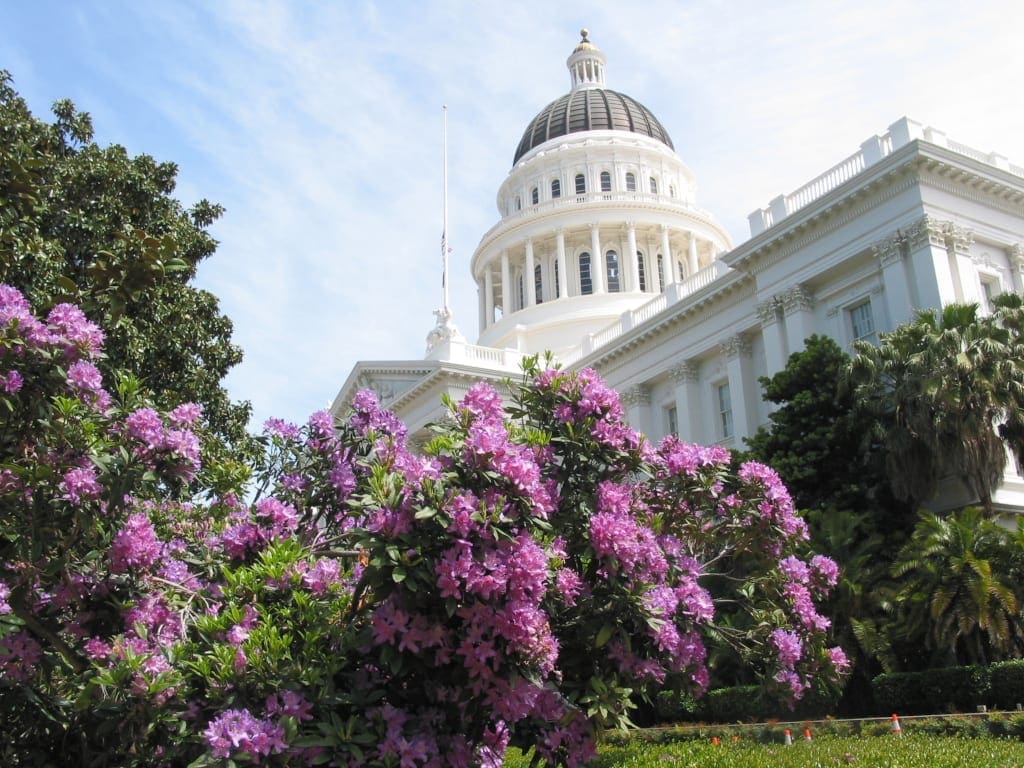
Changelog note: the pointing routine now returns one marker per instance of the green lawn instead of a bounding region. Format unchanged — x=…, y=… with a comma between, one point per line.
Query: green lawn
x=910, y=751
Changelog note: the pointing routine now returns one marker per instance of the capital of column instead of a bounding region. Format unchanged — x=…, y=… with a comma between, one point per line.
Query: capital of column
x=1016, y=254
x=685, y=372
x=890, y=249
x=735, y=346
x=636, y=395
x=958, y=238
x=798, y=299
x=768, y=310
x=927, y=230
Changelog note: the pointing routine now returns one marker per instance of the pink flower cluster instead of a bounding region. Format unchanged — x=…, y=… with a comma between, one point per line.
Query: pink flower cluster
x=174, y=448
x=237, y=732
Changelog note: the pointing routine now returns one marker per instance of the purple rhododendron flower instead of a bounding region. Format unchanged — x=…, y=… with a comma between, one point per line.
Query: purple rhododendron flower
x=11, y=382
x=237, y=730
x=135, y=546
x=80, y=484
x=185, y=414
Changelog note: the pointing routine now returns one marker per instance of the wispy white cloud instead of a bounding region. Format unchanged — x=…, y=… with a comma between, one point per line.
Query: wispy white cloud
x=318, y=126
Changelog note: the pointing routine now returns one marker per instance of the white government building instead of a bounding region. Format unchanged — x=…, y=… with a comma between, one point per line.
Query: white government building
x=602, y=256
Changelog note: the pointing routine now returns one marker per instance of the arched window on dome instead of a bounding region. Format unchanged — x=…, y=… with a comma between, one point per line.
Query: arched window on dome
x=535, y=195
x=521, y=290
x=556, y=189
x=558, y=286
x=631, y=182
x=581, y=184
x=642, y=270
x=519, y=203
x=661, y=273
x=586, y=282
x=654, y=186
x=611, y=260
x=538, y=284
x=606, y=181
x=671, y=190
x=680, y=272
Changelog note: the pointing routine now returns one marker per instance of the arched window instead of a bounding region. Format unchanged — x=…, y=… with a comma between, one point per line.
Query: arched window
x=671, y=191
x=519, y=203
x=521, y=290
x=680, y=272
x=538, y=285
x=611, y=260
x=642, y=270
x=630, y=182
x=535, y=195
x=586, y=284
x=558, y=287
x=581, y=184
x=661, y=273
x=556, y=189
x=654, y=186
x=606, y=181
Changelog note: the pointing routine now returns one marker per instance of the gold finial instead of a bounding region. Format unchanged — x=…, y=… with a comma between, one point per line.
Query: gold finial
x=583, y=33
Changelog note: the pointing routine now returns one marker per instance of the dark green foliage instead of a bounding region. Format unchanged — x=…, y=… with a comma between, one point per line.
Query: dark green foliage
x=1007, y=684
x=935, y=690
x=99, y=228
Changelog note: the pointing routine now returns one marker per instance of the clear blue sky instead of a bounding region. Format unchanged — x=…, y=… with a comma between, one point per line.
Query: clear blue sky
x=318, y=126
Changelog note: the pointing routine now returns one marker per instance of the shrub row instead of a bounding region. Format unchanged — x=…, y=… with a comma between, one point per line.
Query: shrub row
x=951, y=689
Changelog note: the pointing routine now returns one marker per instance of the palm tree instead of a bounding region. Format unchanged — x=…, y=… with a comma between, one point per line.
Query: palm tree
x=956, y=590
x=944, y=391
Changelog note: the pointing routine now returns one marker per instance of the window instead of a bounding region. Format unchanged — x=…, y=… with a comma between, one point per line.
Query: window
x=586, y=283
x=558, y=291
x=538, y=285
x=990, y=288
x=581, y=184
x=672, y=420
x=680, y=272
x=519, y=203
x=661, y=273
x=654, y=186
x=521, y=291
x=630, y=182
x=556, y=189
x=535, y=195
x=642, y=269
x=862, y=322
x=671, y=191
x=612, y=268
x=725, y=410
x=606, y=181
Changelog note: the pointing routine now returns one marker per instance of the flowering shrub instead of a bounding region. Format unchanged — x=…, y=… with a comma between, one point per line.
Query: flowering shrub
x=521, y=582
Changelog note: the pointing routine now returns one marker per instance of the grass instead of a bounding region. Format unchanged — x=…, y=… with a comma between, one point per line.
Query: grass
x=909, y=751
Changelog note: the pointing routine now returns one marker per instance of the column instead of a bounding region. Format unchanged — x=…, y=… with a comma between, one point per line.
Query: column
x=633, y=261
x=890, y=253
x=958, y=245
x=637, y=404
x=481, y=320
x=597, y=272
x=685, y=376
x=736, y=350
x=692, y=263
x=531, y=292
x=798, y=305
x=506, y=286
x=929, y=260
x=563, y=274
x=775, y=350
x=667, y=273
x=488, y=297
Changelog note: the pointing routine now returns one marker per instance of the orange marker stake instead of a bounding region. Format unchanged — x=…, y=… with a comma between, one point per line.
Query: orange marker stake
x=896, y=730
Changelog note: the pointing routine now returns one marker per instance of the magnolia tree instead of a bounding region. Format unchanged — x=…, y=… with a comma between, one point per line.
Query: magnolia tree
x=522, y=581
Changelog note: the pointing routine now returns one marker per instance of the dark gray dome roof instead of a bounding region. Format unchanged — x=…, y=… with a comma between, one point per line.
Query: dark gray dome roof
x=591, y=109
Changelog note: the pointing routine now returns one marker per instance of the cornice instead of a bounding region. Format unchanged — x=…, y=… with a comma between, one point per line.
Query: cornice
x=682, y=314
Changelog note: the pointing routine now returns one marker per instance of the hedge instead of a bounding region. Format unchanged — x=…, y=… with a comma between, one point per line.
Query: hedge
x=1007, y=683
x=935, y=690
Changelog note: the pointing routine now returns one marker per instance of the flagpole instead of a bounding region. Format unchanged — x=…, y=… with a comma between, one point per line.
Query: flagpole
x=444, y=236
